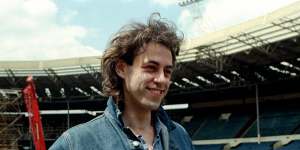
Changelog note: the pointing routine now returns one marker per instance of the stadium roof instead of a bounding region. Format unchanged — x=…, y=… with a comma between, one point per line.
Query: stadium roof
x=273, y=27
x=279, y=25
x=260, y=50
x=70, y=66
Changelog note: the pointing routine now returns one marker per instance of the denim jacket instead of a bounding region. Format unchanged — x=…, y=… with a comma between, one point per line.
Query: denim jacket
x=104, y=133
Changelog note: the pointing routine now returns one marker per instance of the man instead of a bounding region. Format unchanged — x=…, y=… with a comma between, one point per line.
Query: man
x=136, y=71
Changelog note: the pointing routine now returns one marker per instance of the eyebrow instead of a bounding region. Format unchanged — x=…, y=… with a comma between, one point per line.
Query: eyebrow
x=156, y=63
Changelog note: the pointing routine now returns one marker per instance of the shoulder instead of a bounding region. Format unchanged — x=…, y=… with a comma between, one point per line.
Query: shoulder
x=85, y=128
x=62, y=143
x=87, y=125
x=80, y=134
x=180, y=136
x=179, y=129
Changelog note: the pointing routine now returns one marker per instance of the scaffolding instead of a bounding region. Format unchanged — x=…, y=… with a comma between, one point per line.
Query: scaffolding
x=10, y=126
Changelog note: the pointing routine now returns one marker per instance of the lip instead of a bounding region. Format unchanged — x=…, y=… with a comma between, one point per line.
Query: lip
x=156, y=91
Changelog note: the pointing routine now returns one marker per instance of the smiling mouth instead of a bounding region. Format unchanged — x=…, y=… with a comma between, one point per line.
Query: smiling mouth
x=156, y=91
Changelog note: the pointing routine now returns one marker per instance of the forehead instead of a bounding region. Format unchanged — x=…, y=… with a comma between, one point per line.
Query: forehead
x=154, y=52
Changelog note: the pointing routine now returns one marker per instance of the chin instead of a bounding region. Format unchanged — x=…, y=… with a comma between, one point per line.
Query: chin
x=151, y=105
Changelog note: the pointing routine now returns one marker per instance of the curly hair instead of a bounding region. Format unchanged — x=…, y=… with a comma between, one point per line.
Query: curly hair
x=126, y=44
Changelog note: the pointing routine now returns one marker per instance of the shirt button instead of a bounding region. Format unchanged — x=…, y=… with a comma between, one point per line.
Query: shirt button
x=135, y=143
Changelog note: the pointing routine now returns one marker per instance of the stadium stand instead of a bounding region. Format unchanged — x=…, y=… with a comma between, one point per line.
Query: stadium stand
x=241, y=85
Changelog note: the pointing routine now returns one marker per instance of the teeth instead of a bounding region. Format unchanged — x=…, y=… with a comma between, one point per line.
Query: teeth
x=156, y=90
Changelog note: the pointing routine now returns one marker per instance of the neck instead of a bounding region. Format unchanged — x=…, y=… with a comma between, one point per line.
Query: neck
x=137, y=119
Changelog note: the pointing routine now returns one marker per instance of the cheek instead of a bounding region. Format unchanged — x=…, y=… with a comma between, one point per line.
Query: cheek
x=168, y=84
x=148, y=78
x=139, y=79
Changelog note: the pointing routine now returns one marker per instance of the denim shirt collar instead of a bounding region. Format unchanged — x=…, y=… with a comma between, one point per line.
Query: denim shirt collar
x=113, y=112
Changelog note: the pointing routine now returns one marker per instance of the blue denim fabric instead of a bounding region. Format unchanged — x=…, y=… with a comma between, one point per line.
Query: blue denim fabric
x=105, y=132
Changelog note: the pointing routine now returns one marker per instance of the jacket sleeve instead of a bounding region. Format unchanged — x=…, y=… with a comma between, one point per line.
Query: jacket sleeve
x=62, y=143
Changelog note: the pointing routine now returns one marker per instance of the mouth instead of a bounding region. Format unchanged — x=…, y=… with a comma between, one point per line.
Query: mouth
x=156, y=91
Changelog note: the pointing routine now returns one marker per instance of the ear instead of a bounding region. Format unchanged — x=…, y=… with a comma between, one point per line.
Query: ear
x=121, y=68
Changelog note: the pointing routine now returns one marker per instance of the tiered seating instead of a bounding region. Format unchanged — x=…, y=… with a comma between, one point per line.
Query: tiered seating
x=276, y=123
x=212, y=127
x=273, y=122
x=254, y=146
x=292, y=146
x=209, y=147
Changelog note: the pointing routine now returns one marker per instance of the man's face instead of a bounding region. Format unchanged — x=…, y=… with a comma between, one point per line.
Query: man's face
x=147, y=80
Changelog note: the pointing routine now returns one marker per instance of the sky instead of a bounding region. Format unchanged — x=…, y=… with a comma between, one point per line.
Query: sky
x=55, y=29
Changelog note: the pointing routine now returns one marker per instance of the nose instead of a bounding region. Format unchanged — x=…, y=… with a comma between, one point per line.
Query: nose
x=161, y=77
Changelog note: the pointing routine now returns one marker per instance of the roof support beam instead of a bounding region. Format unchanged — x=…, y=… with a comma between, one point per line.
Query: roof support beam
x=288, y=24
x=211, y=58
x=11, y=77
x=256, y=43
x=59, y=83
x=92, y=72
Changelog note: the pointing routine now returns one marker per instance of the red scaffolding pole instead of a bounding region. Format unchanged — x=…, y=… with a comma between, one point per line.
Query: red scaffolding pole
x=32, y=107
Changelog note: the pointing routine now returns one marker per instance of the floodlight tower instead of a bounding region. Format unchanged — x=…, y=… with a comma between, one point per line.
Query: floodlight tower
x=187, y=2
x=194, y=5
x=198, y=8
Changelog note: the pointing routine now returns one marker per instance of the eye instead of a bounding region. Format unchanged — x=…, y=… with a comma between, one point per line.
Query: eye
x=168, y=72
x=150, y=68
